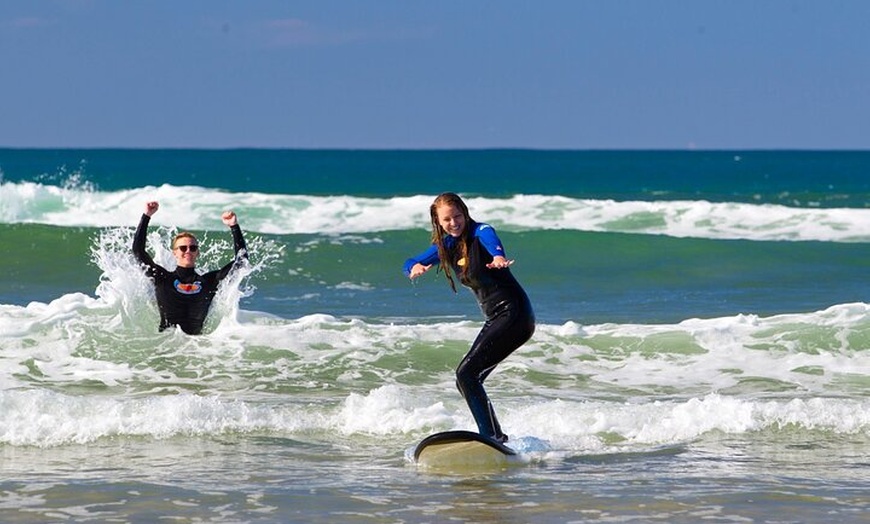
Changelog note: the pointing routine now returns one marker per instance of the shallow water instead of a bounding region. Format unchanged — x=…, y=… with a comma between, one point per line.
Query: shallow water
x=702, y=349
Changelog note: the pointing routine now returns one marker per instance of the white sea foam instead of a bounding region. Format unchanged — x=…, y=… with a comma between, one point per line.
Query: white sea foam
x=198, y=208
x=82, y=368
x=41, y=417
x=588, y=388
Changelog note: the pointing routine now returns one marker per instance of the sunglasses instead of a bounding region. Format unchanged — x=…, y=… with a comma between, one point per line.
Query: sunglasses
x=192, y=247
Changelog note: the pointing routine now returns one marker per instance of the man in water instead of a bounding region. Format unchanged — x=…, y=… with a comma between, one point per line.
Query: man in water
x=183, y=295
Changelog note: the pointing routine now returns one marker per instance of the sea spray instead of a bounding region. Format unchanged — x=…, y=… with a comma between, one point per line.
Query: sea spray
x=123, y=282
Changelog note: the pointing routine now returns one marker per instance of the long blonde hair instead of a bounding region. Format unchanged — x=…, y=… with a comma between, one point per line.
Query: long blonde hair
x=438, y=234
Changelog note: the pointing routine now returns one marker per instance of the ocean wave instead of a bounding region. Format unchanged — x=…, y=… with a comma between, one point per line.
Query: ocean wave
x=110, y=343
x=46, y=418
x=197, y=208
x=82, y=368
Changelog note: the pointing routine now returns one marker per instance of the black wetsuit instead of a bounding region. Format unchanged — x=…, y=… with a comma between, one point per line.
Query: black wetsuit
x=183, y=295
x=509, y=319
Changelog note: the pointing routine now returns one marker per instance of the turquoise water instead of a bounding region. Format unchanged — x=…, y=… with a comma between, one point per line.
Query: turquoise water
x=702, y=348
x=828, y=178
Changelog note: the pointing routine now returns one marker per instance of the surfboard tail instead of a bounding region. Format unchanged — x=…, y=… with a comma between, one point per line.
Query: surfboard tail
x=461, y=449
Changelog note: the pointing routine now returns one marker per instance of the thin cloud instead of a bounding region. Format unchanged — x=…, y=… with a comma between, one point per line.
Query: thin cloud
x=289, y=31
x=30, y=22
x=297, y=32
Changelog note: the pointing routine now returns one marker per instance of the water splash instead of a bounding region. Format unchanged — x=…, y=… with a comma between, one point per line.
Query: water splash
x=124, y=286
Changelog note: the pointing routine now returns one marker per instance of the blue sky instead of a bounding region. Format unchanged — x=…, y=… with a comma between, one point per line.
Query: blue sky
x=568, y=74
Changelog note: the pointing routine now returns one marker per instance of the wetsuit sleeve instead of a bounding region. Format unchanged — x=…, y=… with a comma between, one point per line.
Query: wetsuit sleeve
x=241, y=249
x=430, y=256
x=487, y=236
x=139, y=246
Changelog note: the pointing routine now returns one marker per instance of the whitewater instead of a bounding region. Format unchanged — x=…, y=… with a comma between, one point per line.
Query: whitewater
x=702, y=348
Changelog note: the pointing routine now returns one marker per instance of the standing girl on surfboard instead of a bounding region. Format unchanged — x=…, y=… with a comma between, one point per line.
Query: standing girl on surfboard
x=472, y=252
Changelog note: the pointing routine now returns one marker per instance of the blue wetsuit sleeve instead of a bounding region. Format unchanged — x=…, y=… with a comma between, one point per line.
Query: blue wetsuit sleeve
x=487, y=236
x=428, y=257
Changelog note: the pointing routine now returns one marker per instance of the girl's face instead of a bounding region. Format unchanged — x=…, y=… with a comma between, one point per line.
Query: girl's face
x=451, y=219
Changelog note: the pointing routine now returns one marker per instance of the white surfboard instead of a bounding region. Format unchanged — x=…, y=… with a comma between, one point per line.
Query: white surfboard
x=461, y=450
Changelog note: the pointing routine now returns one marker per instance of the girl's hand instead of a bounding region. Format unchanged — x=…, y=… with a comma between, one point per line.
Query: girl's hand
x=418, y=270
x=499, y=262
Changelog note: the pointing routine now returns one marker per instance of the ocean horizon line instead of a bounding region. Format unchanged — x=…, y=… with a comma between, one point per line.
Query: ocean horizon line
x=442, y=149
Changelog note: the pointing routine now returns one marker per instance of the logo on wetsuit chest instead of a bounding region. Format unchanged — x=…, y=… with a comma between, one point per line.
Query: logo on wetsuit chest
x=188, y=289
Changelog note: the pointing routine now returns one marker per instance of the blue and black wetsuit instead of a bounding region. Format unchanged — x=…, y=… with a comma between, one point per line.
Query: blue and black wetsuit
x=183, y=295
x=509, y=318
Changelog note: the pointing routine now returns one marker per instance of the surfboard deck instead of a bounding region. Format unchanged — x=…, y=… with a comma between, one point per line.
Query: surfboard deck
x=461, y=449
